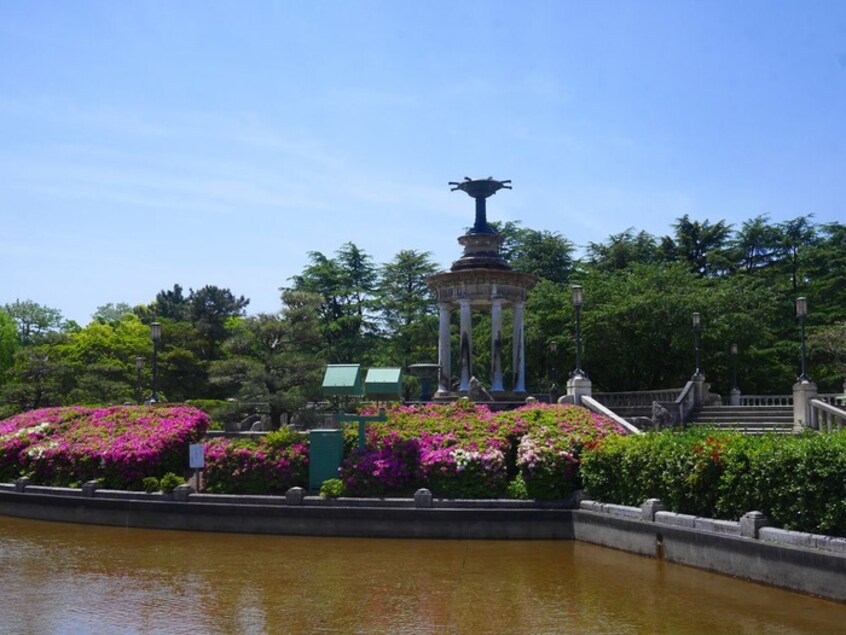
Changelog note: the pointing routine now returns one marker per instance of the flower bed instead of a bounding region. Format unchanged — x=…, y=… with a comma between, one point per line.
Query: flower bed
x=255, y=467
x=119, y=445
x=464, y=450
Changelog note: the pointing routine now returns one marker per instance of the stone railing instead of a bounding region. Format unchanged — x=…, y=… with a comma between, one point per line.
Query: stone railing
x=766, y=400
x=826, y=418
x=684, y=404
x=592, y=404
x=833, y=399
x=636, y=399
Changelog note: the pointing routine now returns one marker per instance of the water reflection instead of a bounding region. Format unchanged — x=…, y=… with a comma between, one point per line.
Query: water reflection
x=62, y=578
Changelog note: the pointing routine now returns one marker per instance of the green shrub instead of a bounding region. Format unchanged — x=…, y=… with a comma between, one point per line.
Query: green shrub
x=332, y=488
x=150, y=484
x=283, y=438
x=516, y=488
x=170, y=481
x=798, y=482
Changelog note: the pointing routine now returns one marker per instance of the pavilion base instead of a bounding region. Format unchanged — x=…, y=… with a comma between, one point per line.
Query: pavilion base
x=502, y=396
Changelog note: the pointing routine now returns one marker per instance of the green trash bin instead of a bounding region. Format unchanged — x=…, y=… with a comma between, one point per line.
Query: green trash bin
x=325, y=452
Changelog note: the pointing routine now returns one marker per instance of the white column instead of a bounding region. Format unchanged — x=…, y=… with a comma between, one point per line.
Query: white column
x=803, y=392
x=519, y=350
x=496, y=345
x=466, y=353
x=444, y=353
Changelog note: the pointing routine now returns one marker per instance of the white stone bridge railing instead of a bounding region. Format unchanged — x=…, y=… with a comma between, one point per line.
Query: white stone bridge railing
x=765, y=400
x=825, y=417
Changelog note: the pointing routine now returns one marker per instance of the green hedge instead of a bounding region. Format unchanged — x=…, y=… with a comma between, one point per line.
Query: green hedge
x=798, y=482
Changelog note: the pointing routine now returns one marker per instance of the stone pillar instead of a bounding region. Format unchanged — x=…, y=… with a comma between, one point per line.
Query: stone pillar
x=579, y=386
x=751, y=523
x=466, y=352
x=518, y=344
x=496, y=345
x=444, y=353
x=734, y=397
x=698, y=389
x=803, y=392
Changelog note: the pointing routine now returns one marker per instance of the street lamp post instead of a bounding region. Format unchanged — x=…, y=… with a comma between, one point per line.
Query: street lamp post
x=734, y=366
x=801, y=314
x=696, y=327
x=156, y=335
x=139, y=364
x=578, y=300
x=553, y=387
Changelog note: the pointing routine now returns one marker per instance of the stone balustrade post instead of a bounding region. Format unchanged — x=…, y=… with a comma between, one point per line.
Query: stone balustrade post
x=803, y=392
x=579, y=386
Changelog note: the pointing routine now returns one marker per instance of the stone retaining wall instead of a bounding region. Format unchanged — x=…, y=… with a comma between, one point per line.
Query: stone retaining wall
x=748, y=549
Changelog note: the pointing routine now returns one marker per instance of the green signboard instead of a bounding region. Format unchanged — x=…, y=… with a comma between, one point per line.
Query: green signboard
x=342, y=379
x=383, y=384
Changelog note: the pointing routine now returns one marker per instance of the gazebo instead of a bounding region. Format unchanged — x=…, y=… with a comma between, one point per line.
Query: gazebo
x=481, y=279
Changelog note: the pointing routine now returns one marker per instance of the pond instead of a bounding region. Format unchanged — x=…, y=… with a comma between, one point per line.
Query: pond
x=64, y=578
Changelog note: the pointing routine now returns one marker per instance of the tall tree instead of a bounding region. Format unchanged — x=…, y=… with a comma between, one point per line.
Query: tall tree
x=8, y=343
x=408, y=308
x=756, y=245
x=39, y=378
x=102, y=356
x=346, y=284
x=543, y=253
x=275, y=359
x=172, y=304
x=111, y=312
x=699, y=244
x=624, y=249
x=33, y=320
x=209, y=310
x=797, y=235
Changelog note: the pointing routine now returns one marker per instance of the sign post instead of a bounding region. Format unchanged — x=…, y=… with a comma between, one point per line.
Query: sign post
x=197, y=460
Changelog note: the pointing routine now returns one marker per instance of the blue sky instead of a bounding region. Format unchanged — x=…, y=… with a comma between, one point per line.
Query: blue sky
x=152, y=143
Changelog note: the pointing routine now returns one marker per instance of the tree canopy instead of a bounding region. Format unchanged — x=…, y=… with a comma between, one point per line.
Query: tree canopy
x=639, y=293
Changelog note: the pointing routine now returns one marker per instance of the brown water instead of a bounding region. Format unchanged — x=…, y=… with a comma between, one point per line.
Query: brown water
x=62, y=578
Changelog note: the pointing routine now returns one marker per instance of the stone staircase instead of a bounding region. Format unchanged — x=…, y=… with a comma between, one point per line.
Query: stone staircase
x=748, y=419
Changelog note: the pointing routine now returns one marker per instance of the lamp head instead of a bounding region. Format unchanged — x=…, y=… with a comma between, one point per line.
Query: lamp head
x=578, y=297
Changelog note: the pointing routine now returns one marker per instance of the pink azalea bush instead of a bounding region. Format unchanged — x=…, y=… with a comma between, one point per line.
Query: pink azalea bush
x=247, y=467
x=464, y=450
x=119, y=445
x=549, y=452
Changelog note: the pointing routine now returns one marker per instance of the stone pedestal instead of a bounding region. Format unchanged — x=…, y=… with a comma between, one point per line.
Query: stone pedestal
x=734, y=397
x=803, y=392
x=578, y=386
x=698, y=389
x=751, y=523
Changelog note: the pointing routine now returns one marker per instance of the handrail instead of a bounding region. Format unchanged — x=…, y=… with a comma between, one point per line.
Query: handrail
x=824, y=416
x=597, y=407
x=684, y=402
